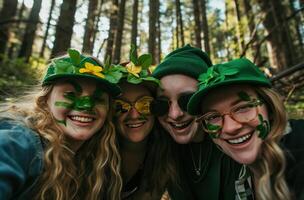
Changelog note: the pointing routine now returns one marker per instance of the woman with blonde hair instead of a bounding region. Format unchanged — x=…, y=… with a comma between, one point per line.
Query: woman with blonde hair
x=246, y=119
x=59, y=143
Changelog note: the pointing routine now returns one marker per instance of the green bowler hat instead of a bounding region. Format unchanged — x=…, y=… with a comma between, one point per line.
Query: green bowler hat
x=187, y=60
x=234, y=72
x=76, y=65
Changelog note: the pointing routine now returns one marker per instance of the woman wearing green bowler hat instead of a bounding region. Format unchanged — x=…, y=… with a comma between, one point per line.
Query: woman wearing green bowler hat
x=246, y=119
x=59, y=142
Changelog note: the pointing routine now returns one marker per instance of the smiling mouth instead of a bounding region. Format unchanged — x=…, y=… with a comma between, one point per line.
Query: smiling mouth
x=241, y=140
x=81, y=119
x=135, y=125
x=180, y=125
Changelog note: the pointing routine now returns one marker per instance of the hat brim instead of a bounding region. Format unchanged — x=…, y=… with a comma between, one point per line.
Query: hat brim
x=195, y=101
x=111, y=88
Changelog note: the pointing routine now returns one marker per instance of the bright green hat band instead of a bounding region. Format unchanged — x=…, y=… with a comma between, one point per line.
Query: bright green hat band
x=76, y=65
x=239, y=71
x=187, y=60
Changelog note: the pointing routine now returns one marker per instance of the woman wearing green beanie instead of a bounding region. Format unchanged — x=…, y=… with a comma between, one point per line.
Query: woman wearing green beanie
x=59, y=141
x=246, y=119
x=203, y=170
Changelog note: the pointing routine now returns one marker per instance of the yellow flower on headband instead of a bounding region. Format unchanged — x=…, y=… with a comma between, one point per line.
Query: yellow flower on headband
x=92, y=69
x=133, y=69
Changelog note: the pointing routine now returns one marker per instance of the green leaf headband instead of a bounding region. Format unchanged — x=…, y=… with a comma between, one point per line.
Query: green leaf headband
x=139, y=69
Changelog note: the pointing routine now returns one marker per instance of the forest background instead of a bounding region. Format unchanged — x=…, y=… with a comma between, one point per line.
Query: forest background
x=269, y=32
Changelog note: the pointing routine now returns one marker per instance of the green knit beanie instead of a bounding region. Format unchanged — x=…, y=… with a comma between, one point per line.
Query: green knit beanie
x=238, y=71
x=187, y=60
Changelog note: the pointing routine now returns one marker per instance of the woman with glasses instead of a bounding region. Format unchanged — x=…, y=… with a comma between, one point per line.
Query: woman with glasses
x=246, y=119
x=141, y=145
x=204, y=171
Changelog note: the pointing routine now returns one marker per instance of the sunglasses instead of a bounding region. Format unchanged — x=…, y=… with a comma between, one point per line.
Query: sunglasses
x=141, y=105
x=161, y=105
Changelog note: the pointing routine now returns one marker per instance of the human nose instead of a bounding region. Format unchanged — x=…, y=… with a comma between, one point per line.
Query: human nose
x=85, y=103
x=133, y=113
x=174, y=111
x=230, y=126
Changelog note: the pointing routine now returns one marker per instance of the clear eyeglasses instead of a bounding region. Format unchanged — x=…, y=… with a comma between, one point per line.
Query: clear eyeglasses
x=243, y=112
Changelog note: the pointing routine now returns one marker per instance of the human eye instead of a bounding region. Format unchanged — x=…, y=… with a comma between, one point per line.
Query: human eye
x=69, y=94
x=121, y=106
x=243, y=108
x=212, y=118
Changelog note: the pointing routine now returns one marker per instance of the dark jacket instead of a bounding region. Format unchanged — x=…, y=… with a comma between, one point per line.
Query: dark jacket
x=21, y=163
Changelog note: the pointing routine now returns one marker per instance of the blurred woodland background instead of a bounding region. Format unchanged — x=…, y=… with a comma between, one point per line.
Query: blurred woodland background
x=269, y=32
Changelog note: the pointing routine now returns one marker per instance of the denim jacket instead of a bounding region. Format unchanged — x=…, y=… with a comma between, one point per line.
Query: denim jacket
x=21, y=154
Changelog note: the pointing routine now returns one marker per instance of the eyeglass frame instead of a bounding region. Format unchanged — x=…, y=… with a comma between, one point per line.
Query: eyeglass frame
x=163, y=99
x=133, y=105
x=255, y=103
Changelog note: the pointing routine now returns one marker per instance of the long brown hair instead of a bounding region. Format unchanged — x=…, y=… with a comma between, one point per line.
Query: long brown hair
x=96, y=164
x=270, y=167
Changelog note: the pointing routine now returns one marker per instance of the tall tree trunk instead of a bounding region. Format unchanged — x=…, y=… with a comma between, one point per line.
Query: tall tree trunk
x=30, y=31
x=97, y=21
x=297, y=23
x=197, y=27
x=240, y=34
x=64, y=27
x=158, y=32
x=89, y=27
x=226, y=31
x=8, y=12
x=134, y=23
x=280, y=46
x=47, y=29
x=179, y=22
x=152, y=28
x=112, y=29
x=205, y=26
x=253, y=32
x=120, y=29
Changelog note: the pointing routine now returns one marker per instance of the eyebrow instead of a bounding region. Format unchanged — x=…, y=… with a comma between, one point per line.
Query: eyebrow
x=76, y=85
x=126, y=100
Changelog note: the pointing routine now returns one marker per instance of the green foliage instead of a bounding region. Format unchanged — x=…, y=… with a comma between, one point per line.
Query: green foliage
x=16, y=74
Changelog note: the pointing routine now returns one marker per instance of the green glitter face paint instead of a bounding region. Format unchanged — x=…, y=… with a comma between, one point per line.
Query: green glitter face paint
x=80, y=103
x=263, y=127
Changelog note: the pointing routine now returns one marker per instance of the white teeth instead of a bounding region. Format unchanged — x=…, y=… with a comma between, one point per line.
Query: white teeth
x=240, y=140
x=82, y=119
x=134, y=125
x=180, y=125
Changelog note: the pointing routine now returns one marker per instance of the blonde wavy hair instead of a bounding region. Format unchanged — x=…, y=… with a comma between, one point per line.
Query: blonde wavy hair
x=269, y=168
x=92, y=173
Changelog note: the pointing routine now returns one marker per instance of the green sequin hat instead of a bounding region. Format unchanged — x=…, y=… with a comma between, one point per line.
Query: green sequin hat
x=234, y=72
x=77, y=65
x=187, y=60
x=138, y=70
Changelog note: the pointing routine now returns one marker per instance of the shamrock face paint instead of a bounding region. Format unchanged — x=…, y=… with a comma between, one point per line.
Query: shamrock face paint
x=237, y=121
x=79, y=106
x=133, y=119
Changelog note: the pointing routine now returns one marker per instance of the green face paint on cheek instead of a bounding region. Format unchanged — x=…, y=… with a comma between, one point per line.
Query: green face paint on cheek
x=263, y=127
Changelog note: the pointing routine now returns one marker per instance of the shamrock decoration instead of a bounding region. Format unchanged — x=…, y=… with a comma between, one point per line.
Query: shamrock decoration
x=263, y=127
x=215, y=74
x=138, y=69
